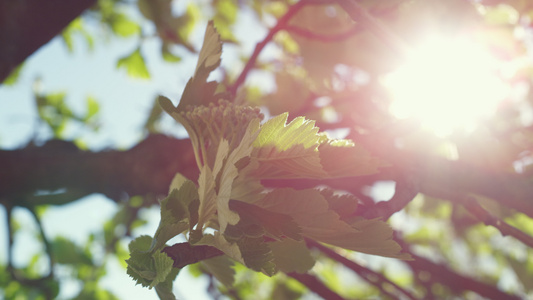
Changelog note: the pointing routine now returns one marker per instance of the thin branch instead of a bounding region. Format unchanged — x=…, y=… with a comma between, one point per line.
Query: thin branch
x=282, y=23
x=322, y=37
x=315, y=285
x=361, y=16
x=507, y=230
x=374, y=278
x=185, y=254
x=406, y=190
x=46, y=244
x=456, y=282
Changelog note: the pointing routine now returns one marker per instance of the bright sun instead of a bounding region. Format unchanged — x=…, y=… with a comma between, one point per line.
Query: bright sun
x=447, y=85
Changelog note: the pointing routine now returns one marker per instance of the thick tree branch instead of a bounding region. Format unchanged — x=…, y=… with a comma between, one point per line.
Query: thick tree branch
x=26, y=25
x=147, y=168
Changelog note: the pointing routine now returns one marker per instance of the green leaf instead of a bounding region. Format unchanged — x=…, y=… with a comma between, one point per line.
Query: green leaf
x=163, y=266
x=298, y=132
x=229, y=172
x=92, y=108
x=134, y=65
x=65, y=251
x=218, y=241
x=176, y=213
x=123, y=26
x=198, y=91
x=277, y=225
x=312, y=212
x=222, y=268
x=168, y=55
x=13, y=76
x=288, y=151
x=343, y=158
x=140, y=266
x=164, y=289
x=292, y=256
x=206, y=192
x=257, y=255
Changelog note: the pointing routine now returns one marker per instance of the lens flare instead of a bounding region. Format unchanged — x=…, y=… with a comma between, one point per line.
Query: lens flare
x=447, y=85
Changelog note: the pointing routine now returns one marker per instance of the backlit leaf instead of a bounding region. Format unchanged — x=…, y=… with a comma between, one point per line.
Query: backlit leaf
x=288, y=151
x=163, y=266
x=356, y=160
x=229, y=173
x=198, y=91
x=134, y=65
x=292, y=256
x=222, y=268
x=277, y=225
x=311, y=211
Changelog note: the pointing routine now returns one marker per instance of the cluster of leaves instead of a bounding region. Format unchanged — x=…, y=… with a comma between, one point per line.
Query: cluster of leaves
x=264, y=230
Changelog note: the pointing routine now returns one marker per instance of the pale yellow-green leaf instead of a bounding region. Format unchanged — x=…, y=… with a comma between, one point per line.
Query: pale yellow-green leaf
x=197, y=90
x=311, y=211
x=288, y=151
x=343, y=158
x=222, y=268
x=298, y=132
x=218, y=241
x=228, y=174
x=292, y=256
x=207, y=195
x=177, y=182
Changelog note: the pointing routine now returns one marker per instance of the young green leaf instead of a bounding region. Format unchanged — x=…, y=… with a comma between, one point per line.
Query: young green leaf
x=222, y=268
x=356, y=160
x=134, y=64
x=218, y=241
x=162, y=266
x=292, y=256
x=229, y=172
x=312, y=212
x=207, y=194
x=288, y=151
x=140, y=266
x=277, y=225
x=198, y=91
x=176, y=213
x=257, y=255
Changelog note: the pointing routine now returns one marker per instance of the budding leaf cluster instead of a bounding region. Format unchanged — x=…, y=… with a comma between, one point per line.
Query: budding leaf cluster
x=228, y=208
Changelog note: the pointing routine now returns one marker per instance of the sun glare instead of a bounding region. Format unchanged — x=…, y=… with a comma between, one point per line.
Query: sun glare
x=447, y=85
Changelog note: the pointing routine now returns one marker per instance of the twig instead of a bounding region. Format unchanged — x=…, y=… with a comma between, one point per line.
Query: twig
x=259, y=47
x=374, y=278
x=185, y=254
x=456, y=282
x=406, y=190
x=315, y=285
x=322, y=37
x=483, y=215
x=361, y=16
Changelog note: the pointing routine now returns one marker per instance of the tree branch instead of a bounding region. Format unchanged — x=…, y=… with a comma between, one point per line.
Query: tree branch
x=456, y=282
x=374, y=278
x=26, y=25
x=507, y=230
x=147, y=168
x=315, y=285
x=282, y=22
